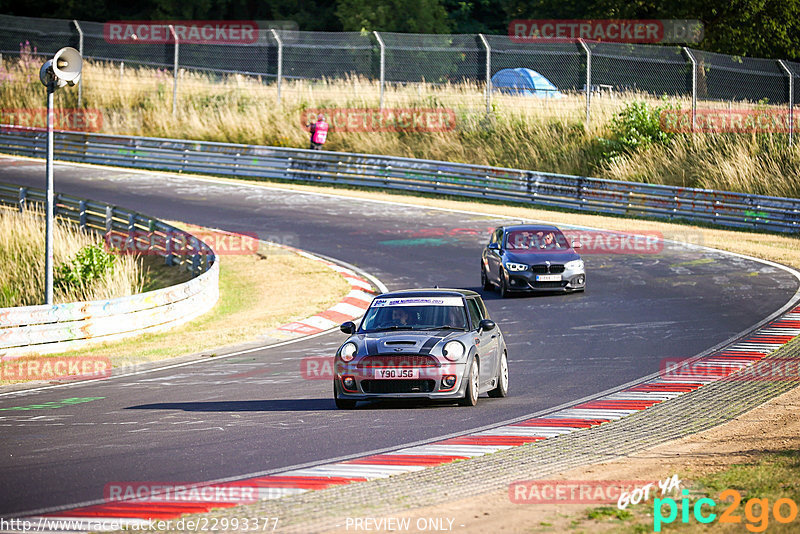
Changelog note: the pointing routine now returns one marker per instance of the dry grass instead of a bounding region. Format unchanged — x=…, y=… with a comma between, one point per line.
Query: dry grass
x=528, y=133
x=22, y=251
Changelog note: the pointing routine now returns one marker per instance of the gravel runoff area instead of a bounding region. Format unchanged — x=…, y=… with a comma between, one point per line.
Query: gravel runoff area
x=702, y=409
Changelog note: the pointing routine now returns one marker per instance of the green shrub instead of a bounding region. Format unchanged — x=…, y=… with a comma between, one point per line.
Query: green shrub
x=637, y=126
x=90, y=263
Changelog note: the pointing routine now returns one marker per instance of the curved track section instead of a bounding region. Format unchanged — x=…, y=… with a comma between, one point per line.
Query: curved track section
x=256, y=414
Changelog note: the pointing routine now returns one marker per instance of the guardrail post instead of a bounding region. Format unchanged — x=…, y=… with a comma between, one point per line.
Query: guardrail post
x=82, y=215
x=131, y=241
x=488, y=73
x=174, y=72
x=588, y=80
x=168, y=257
x=382, y=65
x=80, y=49
x=109, y=218
x=280, y=61
x=23, y=198
x=694, y=86
x=791, y=100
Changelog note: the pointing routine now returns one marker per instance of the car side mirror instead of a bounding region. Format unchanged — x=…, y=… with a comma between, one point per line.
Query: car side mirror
x=577, y=244
x=494, y=246
x=486, y=325
x=348, y=328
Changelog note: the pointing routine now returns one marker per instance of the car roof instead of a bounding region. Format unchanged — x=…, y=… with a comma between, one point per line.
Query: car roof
x=430, y=292
x=531, y=227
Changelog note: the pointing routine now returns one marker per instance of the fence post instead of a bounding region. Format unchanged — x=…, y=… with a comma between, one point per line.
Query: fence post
x=80, y=49
x=791, y=100
x=488, y=73
x=174, y=72
x=588, y=80
x=383, y=63
x=280, y=61
x=694, y=86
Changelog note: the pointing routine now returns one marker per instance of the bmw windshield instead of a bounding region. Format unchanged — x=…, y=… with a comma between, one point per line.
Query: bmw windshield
x=536, y=241
x=415, y=313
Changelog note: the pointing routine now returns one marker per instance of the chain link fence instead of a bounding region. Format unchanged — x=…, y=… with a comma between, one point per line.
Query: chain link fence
x=394, y=69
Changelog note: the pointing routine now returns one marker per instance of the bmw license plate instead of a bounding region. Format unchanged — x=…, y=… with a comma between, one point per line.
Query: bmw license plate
x=548, y=277
x=394, y=374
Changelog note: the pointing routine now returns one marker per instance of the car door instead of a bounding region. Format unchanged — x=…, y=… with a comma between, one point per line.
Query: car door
x=493, y=255
x=487, y=343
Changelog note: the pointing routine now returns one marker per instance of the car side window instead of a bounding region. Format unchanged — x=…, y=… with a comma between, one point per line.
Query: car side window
x=496, y=236
x=482, y=309
x=475, y=315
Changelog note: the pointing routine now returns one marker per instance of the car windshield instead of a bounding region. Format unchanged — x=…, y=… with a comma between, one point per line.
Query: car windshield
x=421, y=314
x=536, y=240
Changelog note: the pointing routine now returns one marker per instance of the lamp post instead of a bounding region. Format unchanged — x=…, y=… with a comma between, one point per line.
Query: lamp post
x=63, y=69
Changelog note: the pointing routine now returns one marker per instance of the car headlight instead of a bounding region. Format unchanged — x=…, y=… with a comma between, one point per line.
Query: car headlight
x=453, y=350
x=348, y=351
x=574, y=265
x=516, y=266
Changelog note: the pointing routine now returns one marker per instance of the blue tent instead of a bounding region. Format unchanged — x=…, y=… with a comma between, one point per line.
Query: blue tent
x=524, y=82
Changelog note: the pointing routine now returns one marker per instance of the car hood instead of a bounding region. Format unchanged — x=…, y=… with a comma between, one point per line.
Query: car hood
x=533, y=258
x=398, y=342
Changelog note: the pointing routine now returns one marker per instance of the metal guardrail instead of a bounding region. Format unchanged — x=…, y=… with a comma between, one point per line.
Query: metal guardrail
x=59, y=327
x=407, y=174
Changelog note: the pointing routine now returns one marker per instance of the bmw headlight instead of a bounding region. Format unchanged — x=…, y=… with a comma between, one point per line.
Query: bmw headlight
x=574, y=265
x=348, y=351
x=516, y=266
x=453, y=350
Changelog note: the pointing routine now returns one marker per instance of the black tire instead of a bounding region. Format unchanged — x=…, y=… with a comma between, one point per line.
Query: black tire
x=471, y=393
x=343, y=404
x=503, y=288
x=502, y=379
x=487, y=285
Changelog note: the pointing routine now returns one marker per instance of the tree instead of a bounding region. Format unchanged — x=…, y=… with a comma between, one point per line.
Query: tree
x=409, y=16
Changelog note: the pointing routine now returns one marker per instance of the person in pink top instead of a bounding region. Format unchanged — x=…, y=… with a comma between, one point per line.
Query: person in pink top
x=319, y=132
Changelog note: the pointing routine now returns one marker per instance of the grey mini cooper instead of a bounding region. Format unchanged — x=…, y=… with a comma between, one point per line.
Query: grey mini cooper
x=427, y=343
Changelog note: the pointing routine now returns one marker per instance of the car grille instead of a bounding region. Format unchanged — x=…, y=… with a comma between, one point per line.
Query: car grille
x=398, y=386
x=542, y=269
x=398, y=360
x=549, y=285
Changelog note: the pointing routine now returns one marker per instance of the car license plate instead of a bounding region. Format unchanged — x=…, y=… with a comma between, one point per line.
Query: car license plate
x=394, y=374
x=548, y=277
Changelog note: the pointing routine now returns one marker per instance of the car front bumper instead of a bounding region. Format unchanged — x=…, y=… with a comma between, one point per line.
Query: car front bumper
x=528, y=281
x=428, y=384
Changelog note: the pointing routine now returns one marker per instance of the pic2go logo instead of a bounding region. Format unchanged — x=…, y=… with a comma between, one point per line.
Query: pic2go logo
x=756, y=511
